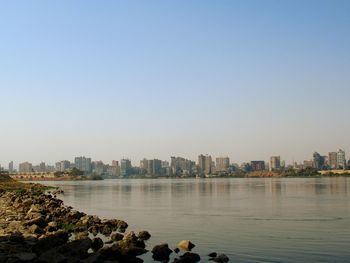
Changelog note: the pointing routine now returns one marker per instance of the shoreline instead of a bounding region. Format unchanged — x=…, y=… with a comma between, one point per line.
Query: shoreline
x=36, y=226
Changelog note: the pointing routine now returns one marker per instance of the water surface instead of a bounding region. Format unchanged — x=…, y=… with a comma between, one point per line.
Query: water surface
x=250, y=220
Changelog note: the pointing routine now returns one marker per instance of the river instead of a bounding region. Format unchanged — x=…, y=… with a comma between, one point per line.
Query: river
x=250, y=220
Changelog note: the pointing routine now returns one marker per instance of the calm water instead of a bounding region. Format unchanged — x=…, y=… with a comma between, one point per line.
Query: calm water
x=250, y=220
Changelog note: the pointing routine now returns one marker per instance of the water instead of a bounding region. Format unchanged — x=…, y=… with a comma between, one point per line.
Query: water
x=250, y=220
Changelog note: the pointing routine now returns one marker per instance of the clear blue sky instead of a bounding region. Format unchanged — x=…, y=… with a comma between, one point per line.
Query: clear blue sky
x=108, y=79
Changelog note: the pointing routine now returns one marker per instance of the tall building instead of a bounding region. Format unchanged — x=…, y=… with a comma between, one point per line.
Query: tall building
x=275, y=163
x=11, y=167
x=318, y=161
x=257, y=165
x=42, y=167
x=83, y=164
x=222, y=164
x=332, y=160
x=115, y=163
x=98, y=167
x=180, y=166
x=63, y=166
x=125, y=167
x=341, y=161
x=205, y=164
x=25, y=167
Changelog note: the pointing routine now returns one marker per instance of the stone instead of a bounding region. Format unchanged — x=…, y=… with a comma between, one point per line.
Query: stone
x=188, y=257
x=222, y=258
x=144, y=235
x=96, y=244
x=212, y=255
x=161, y=252
x=25, y=256
x=186, y=245
x=34, y=229
x=117, y=236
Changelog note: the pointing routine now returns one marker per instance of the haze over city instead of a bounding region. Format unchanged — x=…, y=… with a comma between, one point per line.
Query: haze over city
x=154, y=79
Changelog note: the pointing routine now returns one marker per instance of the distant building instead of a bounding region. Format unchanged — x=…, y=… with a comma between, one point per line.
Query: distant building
x=181, y=167
x=318, y=161
x=98, y=167
x=275, y=163
x=308, y=164
x=205, y=164
x=25, y=167
x=63, y=166
x=333, y=160
x=222, y=164
x=257, y=165
x=341, y=161
x=125, y=167
x=11, y=167
x=83, y=164
x=115, y=163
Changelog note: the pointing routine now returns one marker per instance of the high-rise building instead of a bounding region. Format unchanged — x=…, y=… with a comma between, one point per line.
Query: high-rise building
x=180, y=166
x=222, y=164
x=83, y=164
x=275, y=163
x=98, y=167
x=115, y=163
x=125, y=167
x=11, y=167
x=341, y=161
x=332, y=160
x=257, y=165
x=63, y=166
x=318, y=161
x=25, y=167
x=205, y=164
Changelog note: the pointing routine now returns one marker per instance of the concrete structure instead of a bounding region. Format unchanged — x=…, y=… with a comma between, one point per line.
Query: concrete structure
x=63, y=166
x=275, y=163
x=25, y=167
x=125, y=167
x=11, y=167
x=204, y=164
x=318, y=161
x=181, y=167
x=257, y=165
x=341, y=161
x=332, y=160
x=83, y=164
x=222, y=164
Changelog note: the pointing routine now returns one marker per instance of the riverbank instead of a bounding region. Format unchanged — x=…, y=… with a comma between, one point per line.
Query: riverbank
x=35, y=226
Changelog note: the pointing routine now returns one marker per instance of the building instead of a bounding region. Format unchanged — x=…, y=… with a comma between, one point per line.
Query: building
x=222, y=164
x=11, y=170
x=98, y=168
x=115, y=163
x=318, y=161
x=205, y=164
x=333, y=160
x=275, y=163
x=125, y=167
x=63, y=166
x=180, y=166
x=341, y=161
x=83, y=164
x=257, y=165
x=25, y=167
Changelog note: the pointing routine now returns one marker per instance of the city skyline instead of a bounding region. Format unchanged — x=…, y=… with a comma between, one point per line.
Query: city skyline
x=246, y=79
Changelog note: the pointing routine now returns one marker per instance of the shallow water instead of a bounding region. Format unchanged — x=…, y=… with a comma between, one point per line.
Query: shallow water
x=250, y=220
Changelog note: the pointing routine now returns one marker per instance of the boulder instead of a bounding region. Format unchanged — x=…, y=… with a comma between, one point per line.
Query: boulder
x=186, y=245
x=188, y=257
x=144, y=235
x=117, y=236
x=161, y=252
x=222, y=258
x=96, y=244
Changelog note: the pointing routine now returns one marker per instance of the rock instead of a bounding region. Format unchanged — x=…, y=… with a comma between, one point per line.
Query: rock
x=25, y=256
x=222, y=258
x=176, y=250
x=144, y=235
x=186, y=245
x=212, y=255
x=96, y=244
x=34, y=229
x=93, y=230
x=107, y=230
x=80, y=235
x=117, y=236
x=52, y=256
x=161, y=252
x=188, y=257
x=51, y=227
x=39, y=221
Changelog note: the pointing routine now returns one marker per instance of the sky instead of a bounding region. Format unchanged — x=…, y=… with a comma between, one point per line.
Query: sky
x=113, y=79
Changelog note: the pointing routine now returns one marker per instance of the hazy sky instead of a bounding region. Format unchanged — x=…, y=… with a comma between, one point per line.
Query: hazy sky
x=108, y=79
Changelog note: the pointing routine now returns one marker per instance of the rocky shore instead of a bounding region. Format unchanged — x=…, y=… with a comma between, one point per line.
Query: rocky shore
x=35, y=226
